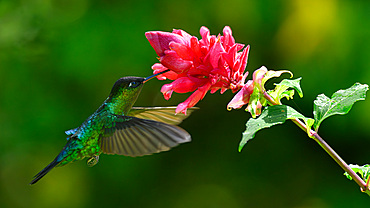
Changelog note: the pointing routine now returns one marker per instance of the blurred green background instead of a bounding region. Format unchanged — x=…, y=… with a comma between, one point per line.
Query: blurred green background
x=60, y=58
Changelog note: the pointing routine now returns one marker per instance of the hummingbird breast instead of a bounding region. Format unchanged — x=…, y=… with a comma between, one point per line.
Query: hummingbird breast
x=85, y=142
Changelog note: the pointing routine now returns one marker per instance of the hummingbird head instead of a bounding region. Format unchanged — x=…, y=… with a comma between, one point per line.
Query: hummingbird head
x=131, y=83
x=125, y=92
x=127, y=84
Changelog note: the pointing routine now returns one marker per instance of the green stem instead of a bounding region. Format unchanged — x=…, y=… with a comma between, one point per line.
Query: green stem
x=335, y=156
x=269, y=98
x=364, y=187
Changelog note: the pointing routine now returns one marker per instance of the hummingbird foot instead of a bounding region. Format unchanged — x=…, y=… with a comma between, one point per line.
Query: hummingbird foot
x=93, y=161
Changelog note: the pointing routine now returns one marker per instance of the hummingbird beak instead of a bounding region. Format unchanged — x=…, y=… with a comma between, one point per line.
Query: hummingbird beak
x=154, y=75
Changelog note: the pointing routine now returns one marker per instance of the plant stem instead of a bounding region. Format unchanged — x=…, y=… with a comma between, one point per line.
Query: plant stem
x=335, y=156
x=364, y=187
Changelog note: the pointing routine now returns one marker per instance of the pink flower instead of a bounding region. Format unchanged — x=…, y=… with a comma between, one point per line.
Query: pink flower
x=258, y=75
x=210, y=64
x=243, y=96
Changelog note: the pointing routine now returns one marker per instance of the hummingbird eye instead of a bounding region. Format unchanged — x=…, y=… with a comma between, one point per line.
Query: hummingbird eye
x=134, y=84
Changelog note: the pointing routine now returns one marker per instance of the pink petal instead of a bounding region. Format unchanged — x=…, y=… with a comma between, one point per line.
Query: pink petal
x=172, y=61
x=194, y=45
x=217, y=86
x=228, y=38
x=183, y=51
x=230, y=56
x=180, y=85
x=241, y=82
x=204, y=32
x=160, y=40
x=157, y=67
x=219, y=71
x=212, y=40
x=193, y=99
x=237, y=76
x=223, y=90
x=184, y=34
x=199, y=80
x=242, y=97
x=242, y=60
x=215, y=53
x=259, y=74
x=167, y=91
x=239, y=46
x=184, y=85
x=214, y=89
x=201, y=71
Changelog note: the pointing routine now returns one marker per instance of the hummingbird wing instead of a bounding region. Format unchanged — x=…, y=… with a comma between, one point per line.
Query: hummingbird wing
x=71, y=131
x=133, y=136
x=162, y=114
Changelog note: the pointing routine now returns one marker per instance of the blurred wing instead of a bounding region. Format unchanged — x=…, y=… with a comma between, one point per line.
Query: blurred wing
x=161, y=114
x=137, y=137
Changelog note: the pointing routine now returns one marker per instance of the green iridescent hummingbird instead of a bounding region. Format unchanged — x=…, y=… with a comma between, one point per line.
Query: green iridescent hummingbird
x=118, y=128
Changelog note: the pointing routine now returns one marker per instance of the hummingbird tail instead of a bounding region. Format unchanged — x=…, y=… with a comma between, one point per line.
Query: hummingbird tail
x=44, y=171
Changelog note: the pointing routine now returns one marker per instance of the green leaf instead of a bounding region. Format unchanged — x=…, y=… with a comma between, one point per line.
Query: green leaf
x=287, y=94
x=281, y=89
x=278, y=92
x=364, y=171
x=271, y=116
x=270, y=74
x=339, y=103
x=293, y=83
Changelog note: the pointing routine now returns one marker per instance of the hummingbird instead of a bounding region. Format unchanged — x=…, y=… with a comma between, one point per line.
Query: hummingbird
x=117, y=127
